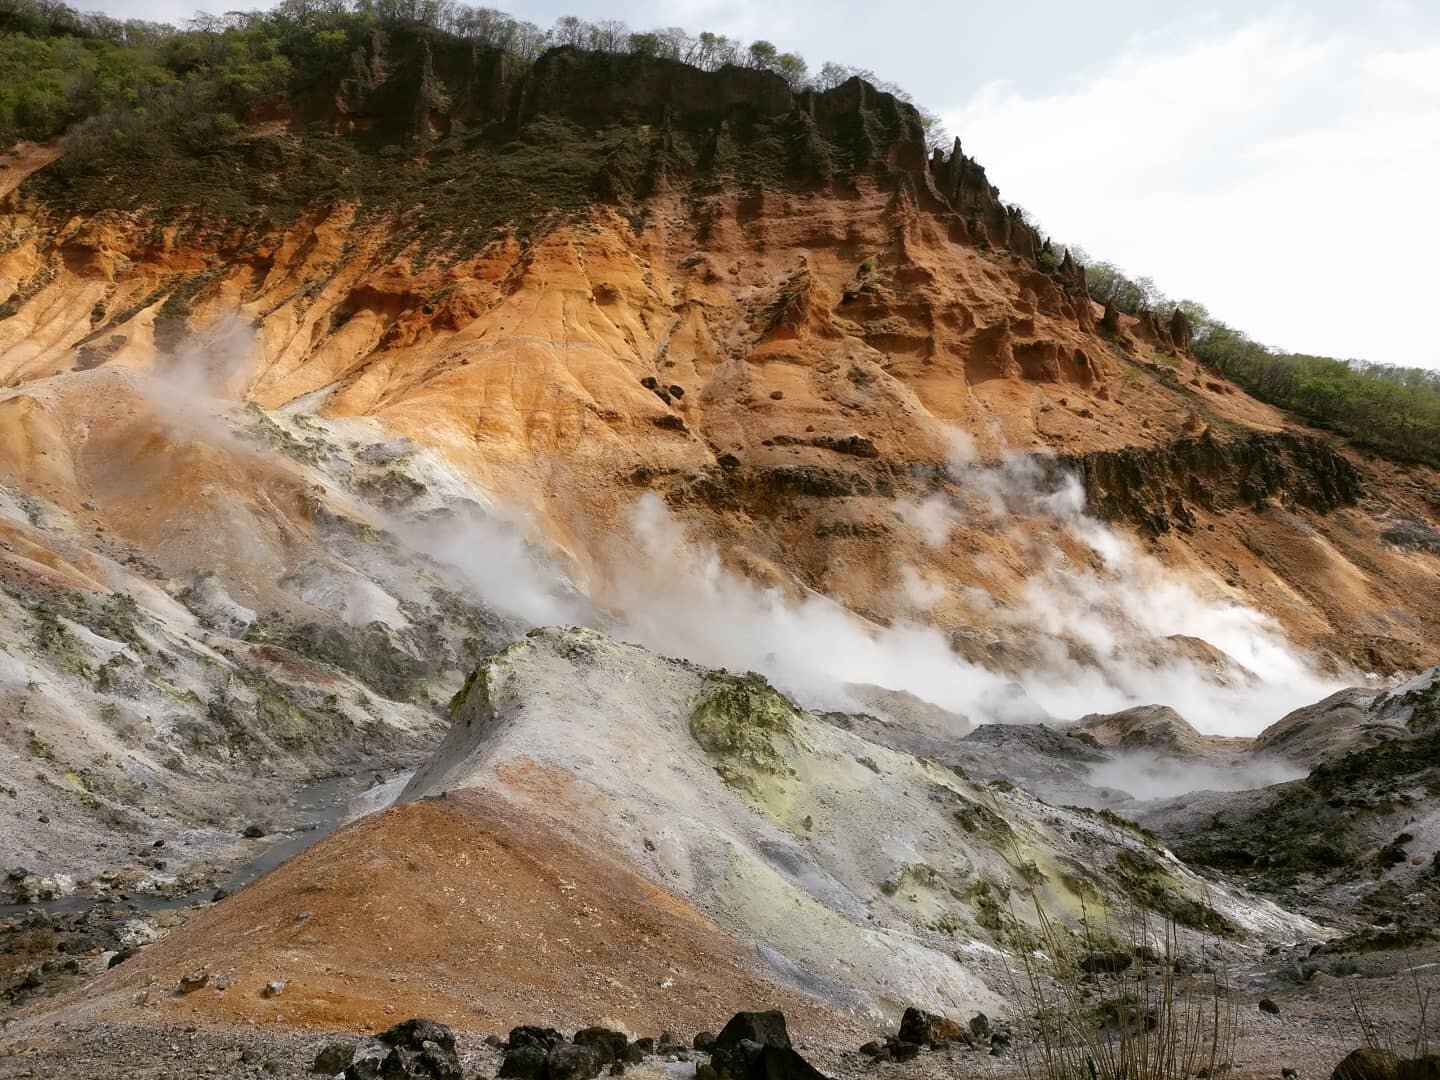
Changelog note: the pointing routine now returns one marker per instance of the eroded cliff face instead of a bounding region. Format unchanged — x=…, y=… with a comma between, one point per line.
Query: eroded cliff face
x=614, y=275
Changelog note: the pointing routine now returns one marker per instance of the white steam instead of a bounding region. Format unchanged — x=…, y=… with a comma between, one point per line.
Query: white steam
x=1115, y=630
x=497, y=564
x=1148, y=776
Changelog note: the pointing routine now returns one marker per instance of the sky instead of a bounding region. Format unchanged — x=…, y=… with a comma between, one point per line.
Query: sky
x=1277, y=162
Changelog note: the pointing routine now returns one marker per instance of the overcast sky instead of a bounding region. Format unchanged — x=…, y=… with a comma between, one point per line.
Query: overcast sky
x=1277, y=162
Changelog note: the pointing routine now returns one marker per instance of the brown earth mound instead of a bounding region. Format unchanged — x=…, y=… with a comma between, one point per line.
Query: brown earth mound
x=461, y=909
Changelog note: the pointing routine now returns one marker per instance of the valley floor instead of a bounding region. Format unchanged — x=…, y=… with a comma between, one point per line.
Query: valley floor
x=1316, y=1028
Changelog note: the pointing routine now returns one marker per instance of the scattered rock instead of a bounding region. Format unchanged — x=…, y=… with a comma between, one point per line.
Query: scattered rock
x=420, y=1049
x=193, y=980
x=273, y=988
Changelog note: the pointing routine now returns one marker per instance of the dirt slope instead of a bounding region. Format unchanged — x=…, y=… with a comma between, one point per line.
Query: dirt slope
x=470, y=911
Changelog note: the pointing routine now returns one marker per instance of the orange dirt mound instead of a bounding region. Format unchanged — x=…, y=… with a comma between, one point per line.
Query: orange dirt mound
x=461, y=909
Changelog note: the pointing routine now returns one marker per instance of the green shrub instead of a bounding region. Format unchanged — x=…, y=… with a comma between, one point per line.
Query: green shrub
x=1391, y=410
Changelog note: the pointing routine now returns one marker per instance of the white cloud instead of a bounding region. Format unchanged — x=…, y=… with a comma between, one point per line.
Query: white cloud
x=1281, y=175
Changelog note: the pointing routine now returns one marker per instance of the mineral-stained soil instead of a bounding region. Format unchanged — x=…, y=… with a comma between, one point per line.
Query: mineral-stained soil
x=463, y=909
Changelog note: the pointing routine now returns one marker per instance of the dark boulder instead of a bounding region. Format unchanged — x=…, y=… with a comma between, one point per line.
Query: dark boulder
x=525, y=1062
x=402, y=1064
x=902, y=1049
x=415, y=1049
x=749, y=1060
x=570, y=1062
x=1268, y=1006
x=1421, y=1068
x=765, y=1028
x=415, y=1033
x=529, y=1035
x=1147, y=954
x=1106, y=963
x=927, y=1029
x=704, y=1041
x=606, y=1044
x=366, y=1061
x=333, y=1058
x=1368, y=1063
x=667, y=1044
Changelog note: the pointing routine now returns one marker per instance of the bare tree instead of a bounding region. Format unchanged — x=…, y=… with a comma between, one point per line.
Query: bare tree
x=609, y=35
x=570, y=30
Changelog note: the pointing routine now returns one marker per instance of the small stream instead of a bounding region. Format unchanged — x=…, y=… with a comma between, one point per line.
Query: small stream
x=314, y=813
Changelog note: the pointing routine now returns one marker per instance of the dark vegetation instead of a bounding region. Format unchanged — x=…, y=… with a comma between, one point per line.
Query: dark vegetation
x=103, y=79
x=466, y=123
x=1391, y=410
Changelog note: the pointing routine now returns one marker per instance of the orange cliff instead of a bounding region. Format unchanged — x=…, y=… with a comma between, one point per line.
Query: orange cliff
x=774, y=310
